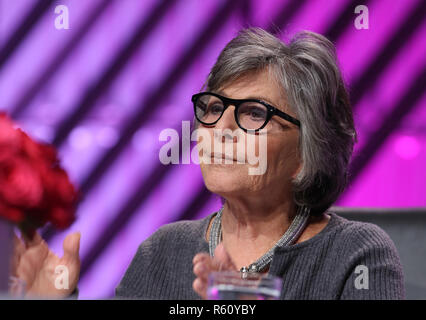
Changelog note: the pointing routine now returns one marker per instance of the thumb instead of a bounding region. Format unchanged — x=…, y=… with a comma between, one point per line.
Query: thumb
x=72, y=246
x=222, y=259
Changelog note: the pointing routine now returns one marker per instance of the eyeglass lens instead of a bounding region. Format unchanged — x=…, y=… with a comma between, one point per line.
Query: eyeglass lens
x=251, y=115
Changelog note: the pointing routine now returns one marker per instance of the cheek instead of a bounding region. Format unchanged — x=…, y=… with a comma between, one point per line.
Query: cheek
x=282, y=157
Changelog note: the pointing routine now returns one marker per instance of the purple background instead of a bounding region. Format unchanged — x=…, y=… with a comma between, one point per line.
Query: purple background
x=125, y=70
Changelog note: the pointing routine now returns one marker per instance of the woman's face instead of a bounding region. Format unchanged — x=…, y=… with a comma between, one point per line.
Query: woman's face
x=276, y=146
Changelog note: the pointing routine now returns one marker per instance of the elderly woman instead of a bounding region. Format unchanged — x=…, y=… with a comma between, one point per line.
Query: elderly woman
x=277, y=222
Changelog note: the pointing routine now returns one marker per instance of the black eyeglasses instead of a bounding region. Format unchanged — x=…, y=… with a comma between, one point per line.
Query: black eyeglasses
x=250, y=114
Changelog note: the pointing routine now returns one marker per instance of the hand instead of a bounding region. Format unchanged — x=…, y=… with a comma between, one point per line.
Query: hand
x=204, y=264
x=36, y=264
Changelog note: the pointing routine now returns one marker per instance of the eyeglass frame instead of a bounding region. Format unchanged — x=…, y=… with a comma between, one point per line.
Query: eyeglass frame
x=271, y=110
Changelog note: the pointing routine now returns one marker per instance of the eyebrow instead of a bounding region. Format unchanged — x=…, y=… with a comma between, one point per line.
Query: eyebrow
x=252, y=97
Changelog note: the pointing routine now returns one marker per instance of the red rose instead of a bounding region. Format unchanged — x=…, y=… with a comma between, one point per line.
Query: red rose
x=11, y=214
x=37, y=151
x=20, y=184
x=60, y=217
x=8, y=134
x=34, y=189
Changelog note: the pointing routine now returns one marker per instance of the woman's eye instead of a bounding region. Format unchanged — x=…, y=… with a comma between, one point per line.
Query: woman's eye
x=255, y=113
x=216, y=108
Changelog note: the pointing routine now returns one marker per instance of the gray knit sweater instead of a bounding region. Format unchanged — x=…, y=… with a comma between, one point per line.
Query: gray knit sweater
x=323, y=267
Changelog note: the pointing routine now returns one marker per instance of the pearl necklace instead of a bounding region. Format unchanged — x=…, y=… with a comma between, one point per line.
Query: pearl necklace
x=289, y=237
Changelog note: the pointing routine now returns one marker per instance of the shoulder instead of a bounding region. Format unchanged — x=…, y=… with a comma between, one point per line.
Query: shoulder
x=185, y=231
x=363, y=232
x=368, y=260
x=362, y=239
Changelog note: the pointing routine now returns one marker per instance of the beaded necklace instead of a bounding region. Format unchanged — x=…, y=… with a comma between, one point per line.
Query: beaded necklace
x=289, y=237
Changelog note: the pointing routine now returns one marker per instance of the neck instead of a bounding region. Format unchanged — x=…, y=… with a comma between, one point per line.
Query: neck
x=251, y=220
x=250, y=229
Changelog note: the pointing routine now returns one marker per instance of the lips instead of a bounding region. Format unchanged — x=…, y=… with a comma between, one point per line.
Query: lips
x=223, y=157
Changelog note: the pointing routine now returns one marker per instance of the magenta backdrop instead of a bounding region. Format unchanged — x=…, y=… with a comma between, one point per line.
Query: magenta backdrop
x=94, y=91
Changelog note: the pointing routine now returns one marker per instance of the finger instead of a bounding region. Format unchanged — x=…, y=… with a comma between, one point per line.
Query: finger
x=36, y=255
x=200, y=287
x=222, y=260
x=25, y=272
x=32, y=240
x=18, y=245
x=71, y=246
x=201, y=270
x=18, y=250
x=200, y=257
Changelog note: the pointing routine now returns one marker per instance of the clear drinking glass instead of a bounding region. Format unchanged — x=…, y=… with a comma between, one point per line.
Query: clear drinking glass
x=233, y=285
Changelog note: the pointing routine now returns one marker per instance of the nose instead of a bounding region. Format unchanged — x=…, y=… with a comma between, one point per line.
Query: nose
x=225, y=124
x=227, y=121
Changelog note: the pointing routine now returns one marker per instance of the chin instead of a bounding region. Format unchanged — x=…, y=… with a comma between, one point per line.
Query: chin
x=222, y=179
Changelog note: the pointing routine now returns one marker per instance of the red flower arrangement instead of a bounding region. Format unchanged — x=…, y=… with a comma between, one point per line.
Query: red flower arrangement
x=34, y=189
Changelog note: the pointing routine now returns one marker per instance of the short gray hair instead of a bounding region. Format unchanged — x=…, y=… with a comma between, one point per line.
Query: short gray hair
x=307, y=70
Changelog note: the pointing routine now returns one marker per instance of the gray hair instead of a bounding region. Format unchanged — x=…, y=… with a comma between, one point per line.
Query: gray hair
x=307, y=70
